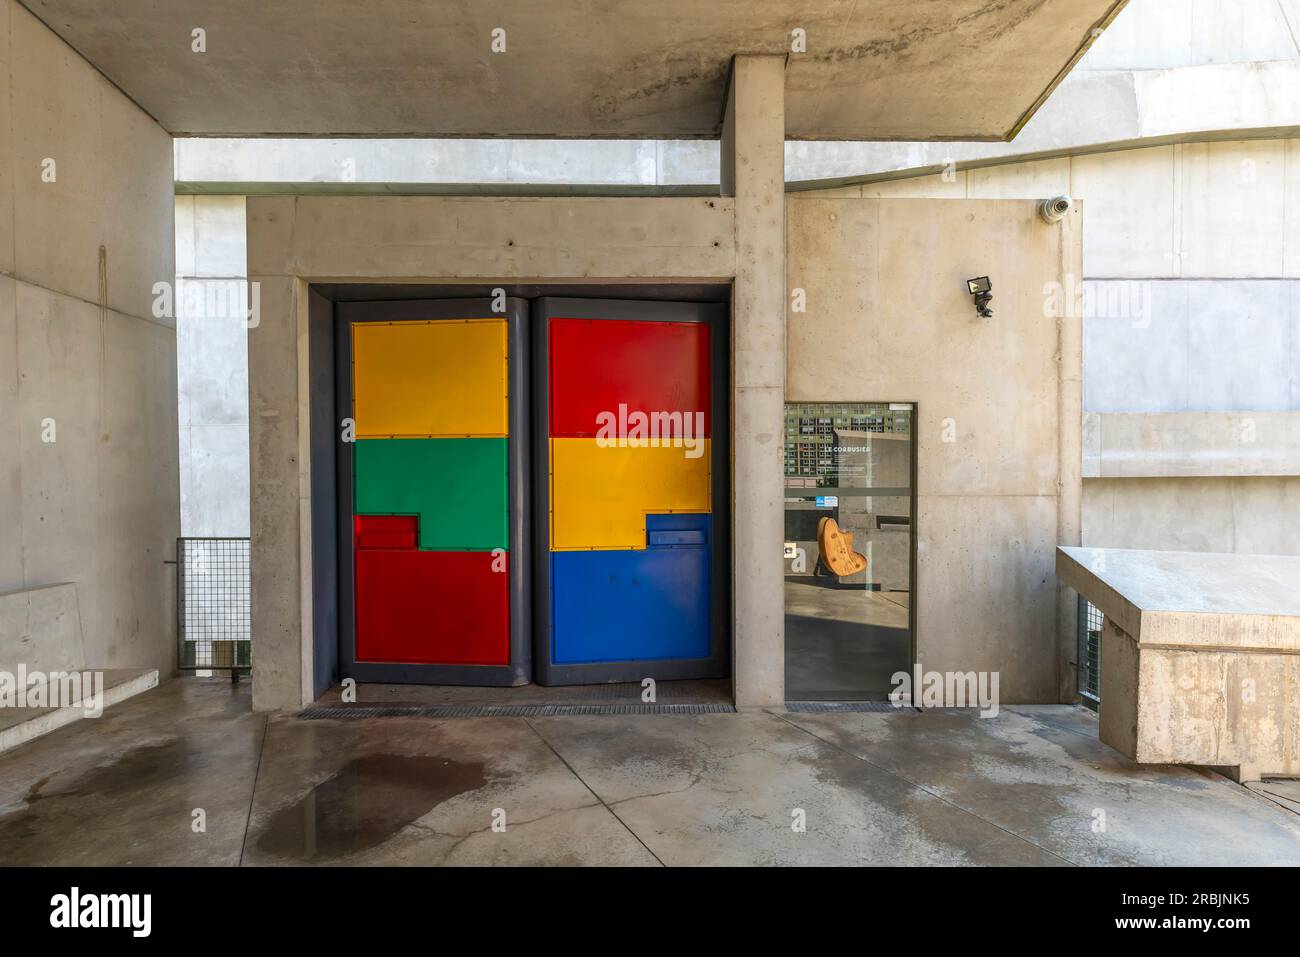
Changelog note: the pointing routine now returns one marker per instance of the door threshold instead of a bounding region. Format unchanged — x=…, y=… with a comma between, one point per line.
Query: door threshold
x=358, y=712
x=413, y=698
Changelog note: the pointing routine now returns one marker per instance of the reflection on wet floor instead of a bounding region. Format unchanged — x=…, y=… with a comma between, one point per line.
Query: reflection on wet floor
x=364, y=803
x=843, y=643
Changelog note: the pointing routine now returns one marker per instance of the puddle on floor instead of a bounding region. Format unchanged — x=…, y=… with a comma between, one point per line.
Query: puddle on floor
x=103, y=794
x=365, y=803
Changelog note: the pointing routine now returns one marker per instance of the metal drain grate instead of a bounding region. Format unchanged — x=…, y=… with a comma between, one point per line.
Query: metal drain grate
x=855, y=707
x=357, y=712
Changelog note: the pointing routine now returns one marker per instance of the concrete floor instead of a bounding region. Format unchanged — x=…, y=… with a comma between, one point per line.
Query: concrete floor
x=1028, y=787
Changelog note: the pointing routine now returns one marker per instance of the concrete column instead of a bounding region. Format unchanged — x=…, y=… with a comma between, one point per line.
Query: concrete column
x=753, y=170
x=1069, y=502
x=280, y=470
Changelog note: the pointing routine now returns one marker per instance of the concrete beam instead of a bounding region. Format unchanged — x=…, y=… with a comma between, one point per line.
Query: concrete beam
x=1091, y=112
x=753, y=131
x=965, y=69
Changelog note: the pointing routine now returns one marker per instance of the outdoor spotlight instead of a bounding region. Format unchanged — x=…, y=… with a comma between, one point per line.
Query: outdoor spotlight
x=982, y=290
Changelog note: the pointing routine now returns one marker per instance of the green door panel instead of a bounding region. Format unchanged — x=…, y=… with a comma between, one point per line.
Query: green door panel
x=457, y=487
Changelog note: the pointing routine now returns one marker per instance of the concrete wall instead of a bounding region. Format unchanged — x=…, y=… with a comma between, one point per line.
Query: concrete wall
x=997, y=422
x=1190, y=295
x=1191, y=276
x=212, y=373
x=80, y=347
x=888, y=319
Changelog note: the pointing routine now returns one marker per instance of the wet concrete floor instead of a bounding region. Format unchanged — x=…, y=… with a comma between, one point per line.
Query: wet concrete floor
x=187, y=774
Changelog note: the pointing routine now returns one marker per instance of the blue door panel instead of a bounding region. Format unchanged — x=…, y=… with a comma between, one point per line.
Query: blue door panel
x=642, y=605
x=679, y=528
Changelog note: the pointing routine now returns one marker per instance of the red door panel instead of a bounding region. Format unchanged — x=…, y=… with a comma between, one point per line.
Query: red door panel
x=598, y=364
x=446, y=608
x=387, y=531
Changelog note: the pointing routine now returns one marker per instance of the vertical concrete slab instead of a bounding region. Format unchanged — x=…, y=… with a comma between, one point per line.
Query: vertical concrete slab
x=137, y=202
x=220, y=244
x=999, y=419
x=1131, y=213
x=1291, y=206
x=88, y=487
x=11, y=543
x=276, y=465
x=138, y=505
x=1153, y=36
x=1136, y=350
x=1219, y=182
x=212, y=366
x=185, y=235
x=753, y=170
x=59, y=384
x=6, y=144
x=1240, y=346
x=112, y=178
x=1069, y=438
x=55, y=103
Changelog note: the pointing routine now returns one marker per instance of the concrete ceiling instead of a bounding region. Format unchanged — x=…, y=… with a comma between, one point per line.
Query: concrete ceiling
x=874, y=69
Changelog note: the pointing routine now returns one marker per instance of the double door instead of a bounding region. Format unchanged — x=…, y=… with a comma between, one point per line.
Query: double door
x=530, y=488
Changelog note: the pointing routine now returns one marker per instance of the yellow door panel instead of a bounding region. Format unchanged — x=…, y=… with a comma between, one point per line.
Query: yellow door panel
x=600, y=495
x=422, y=379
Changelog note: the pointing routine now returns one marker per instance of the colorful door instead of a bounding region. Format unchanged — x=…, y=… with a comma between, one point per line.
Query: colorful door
x=437, y=587
x=631, y=554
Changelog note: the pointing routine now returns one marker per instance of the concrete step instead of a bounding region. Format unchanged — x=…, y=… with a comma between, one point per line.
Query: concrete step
x=18, y=725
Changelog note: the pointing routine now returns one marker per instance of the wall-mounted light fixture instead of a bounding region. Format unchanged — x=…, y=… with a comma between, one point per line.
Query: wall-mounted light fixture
x=982, y=290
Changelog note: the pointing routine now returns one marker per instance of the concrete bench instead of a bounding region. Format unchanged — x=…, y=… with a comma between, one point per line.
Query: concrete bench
x=40, y=631
x=1200, y=656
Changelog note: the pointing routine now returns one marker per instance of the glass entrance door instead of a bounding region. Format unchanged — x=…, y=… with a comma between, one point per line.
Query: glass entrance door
x=849, y=548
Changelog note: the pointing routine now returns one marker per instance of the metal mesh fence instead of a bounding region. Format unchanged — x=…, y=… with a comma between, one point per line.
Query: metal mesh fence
x=213, y=608
x=1090, y=619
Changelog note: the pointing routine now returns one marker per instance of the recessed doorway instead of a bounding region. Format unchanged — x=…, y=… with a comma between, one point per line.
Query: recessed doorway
x=528, y=488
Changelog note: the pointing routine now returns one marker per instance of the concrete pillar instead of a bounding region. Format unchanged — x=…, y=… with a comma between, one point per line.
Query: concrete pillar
x=753, y=170
x=1069, y=426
